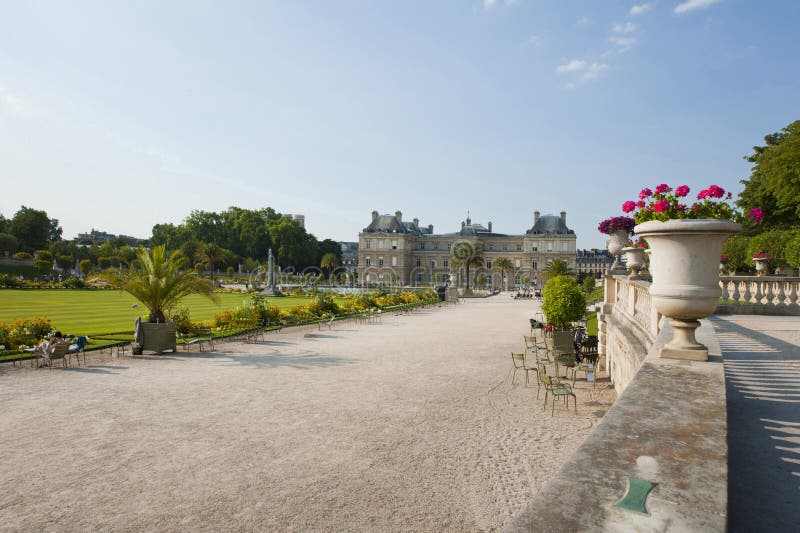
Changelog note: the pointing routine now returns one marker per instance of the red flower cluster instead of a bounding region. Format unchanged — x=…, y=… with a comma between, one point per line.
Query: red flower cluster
x=756, y=214
x=713, y=191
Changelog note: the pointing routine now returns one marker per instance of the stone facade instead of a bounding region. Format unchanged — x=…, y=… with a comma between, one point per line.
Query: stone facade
x=593, y=262
x=393, y=250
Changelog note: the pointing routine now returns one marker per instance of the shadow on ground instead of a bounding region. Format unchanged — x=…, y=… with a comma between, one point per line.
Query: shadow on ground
x=762, y=377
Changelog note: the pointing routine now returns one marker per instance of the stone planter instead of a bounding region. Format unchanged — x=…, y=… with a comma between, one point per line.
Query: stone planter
x=634, y=260
x=685, y=259
x=723, y=269
x=158, y=337
x=761, y=266
x=616, y=242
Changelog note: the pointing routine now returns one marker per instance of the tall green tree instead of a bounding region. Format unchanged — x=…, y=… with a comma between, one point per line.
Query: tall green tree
x=505, y=267
x=8, y=243
x=556, y=267
x=774, y=183
x=466, y=254
x=328, y=262
x=33, y=229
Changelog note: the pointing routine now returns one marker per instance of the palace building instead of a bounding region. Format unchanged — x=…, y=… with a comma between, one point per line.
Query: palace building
x=393, y=250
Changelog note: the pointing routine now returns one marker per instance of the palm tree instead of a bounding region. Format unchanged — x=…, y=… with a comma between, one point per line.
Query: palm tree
x=159, y=280
x=556, y=267
x=328, y=262
x=208, y=255
x=503, y=265
x=466, y=254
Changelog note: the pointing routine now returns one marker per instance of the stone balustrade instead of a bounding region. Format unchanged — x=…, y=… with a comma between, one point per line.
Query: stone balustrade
x=767, y=295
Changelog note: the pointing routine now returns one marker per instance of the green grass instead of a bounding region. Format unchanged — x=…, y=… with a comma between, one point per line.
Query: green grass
x=591, y=324
x=87, y=312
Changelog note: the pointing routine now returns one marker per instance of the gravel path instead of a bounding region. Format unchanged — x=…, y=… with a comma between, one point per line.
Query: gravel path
x=408, y=424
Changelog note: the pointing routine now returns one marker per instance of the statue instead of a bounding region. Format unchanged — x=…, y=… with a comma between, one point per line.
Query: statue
x=271, y=289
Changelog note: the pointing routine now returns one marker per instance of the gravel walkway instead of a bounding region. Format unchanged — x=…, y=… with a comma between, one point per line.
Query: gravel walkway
x=408, y=424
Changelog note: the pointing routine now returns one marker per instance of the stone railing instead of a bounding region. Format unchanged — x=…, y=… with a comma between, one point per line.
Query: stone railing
x=767, y=295
x=628, y=327
x=666, y=431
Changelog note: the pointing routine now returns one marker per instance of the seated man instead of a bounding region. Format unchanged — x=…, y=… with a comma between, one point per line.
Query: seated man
x=47, y=347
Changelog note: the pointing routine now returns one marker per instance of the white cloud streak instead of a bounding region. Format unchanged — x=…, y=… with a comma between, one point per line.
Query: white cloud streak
x=692, y=5
x=575, y=65
x=628, y=27
x=639, y=9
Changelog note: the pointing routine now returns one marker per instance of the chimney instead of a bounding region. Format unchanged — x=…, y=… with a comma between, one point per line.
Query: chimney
x=490, y=226
x=416, y=222
x=374, y=216
x=398, y=215
x=430, y=228
x=564, y=217
x=535, y=217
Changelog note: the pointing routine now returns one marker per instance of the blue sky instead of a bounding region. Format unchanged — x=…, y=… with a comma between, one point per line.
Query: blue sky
x=121, y=115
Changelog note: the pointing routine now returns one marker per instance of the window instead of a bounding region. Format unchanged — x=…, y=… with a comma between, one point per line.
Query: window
x=394, y=244
x=488, y=263
x=368, y=260
x=535, y=246
x=422, y=246
x=535, y=264
x=368, y=277
x=565, y=247
x=380, y=261
x=369, y=244
x=446, y=263
x=517, y=263
x=394, y=261
x=449, y=244
x=505, y=247
x=417, y=262
x=491, y=247
x=419, y=278
x=436, y=246
x=549, y=246
x=380, y=244
x=519, y=247
x=432, y=263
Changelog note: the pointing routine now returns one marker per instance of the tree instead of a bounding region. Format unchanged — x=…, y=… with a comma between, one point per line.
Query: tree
x=295, y=247
x=556, y=267
x=8, y=243
x=466, y=254
x=33, y=229
x=774, y=184
x=160, y=280
x=563, y=301
x=208, y=255
x=85, y=266
x=3, y=224
x=328, y=262
x=329, y=246
x=589, y=284
x=505, y=267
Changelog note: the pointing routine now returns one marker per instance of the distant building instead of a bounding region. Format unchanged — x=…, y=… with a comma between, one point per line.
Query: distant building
x=99, y=237
x=300, y=219
x=593, y=262
x=349, y=255
x=393, y=250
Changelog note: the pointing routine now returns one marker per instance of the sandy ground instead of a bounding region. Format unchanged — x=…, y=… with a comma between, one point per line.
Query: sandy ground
x=408, y=424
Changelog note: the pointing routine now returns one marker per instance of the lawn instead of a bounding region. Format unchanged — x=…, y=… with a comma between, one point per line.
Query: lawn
x=87, y=312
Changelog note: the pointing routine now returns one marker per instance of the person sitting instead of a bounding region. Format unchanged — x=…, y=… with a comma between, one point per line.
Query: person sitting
x=47, y=347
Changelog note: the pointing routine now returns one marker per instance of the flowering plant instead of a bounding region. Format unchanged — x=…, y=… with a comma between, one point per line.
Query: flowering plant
x=724, y=258
x=762, y=255
x=610, y=225
x=666, y=203
x=638, y=243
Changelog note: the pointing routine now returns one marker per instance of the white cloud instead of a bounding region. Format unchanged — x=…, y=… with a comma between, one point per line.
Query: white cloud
x=691, y=5
x=583, y=21
x=489, y=4
x=639, y=9
x=575, y=65
x=594, y=71
x=623, y=44
x=625, y=28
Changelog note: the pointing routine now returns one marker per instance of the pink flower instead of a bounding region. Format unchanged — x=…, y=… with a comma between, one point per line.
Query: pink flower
x=661, y=206
x=715, y=191
x=640, y=204
x=642, y=244
x=628, y=206
x=681, y=191
x=660, y=189
x=756, y=214
x=645, y=193
x=702, y=194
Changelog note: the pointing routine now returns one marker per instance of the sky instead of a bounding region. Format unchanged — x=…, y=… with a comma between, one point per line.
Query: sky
x=121, y=115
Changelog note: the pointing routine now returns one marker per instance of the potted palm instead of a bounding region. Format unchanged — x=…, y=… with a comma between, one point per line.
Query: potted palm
x=686, y=243
x=159, y=281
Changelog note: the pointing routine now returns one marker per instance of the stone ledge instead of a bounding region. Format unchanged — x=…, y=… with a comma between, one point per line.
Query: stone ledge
x=668, y=427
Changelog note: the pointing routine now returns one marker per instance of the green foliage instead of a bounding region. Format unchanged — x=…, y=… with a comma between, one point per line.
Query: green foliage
x=7, y=281
x=44, y=255
x=736, y=250
x=773, y=242
x=104, y=262
x=85, y=266
x=792, y=251
x=159, y=281
x=564, y=301
x=8, y=243
x=556, y=267
x=24, y=331
x=73, y=282
x=589, y=284
x=467, y=254
x=23, y=256
x=65, y=261
x=33, y=229
x=774, y=184
x=44, y=267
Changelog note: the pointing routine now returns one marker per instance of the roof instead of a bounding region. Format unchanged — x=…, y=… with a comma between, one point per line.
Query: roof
x=550, y=225
x=390, y=224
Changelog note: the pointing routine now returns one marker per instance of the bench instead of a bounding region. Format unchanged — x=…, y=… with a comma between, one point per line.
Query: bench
x=326, y=323
x=206, y=339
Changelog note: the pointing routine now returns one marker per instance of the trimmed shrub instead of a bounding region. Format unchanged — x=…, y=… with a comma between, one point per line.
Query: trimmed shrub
x=23, y=256
x=8, y=243
x=564, y=301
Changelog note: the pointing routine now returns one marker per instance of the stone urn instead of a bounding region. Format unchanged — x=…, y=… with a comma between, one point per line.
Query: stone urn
x=761, y=266
x=685, y=288
x=616, y=242
x=634, y=259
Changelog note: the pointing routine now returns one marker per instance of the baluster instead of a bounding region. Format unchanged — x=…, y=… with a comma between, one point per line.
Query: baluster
x=757, y=294
x=780, y=290
x=791, y=297
x=735, y=294
x=747, y=292
x=724, y=284
x=767, y=287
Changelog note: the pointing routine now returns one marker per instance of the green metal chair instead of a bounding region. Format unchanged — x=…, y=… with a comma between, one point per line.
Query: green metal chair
x=518, y=359
x=556, y=388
